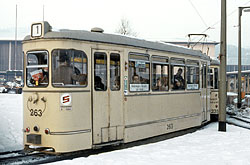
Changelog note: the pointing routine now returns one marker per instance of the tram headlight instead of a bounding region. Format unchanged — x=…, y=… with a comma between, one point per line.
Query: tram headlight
x=47, y=131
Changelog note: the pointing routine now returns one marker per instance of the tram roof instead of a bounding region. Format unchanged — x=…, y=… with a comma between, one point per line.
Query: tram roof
x=119, y=40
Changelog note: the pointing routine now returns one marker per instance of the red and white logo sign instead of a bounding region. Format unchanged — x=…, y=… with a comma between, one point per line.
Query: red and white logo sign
x=66, y=99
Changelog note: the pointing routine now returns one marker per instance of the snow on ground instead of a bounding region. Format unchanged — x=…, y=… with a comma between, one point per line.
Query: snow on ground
x=206, y=146
x=11, y=122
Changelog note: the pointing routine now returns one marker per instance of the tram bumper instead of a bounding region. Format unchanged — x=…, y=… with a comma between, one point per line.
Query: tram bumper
x=34, y=139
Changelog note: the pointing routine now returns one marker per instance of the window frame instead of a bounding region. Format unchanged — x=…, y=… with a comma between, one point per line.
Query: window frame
x=173, y=63
x=111, y=88
x=106, y=55
x=75, y=86
x=191, y=63
x=26, y=64
x=162, y=63
x=146, y=60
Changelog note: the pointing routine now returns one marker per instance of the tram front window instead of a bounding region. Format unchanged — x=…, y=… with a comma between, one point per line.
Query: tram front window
x=69, y=68
x=37, y=69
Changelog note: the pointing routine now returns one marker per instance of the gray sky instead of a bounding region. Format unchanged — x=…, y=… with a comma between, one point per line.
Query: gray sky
x=168, y=20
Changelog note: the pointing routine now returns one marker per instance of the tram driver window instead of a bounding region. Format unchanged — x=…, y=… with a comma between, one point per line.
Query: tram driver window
x=139, y=72
x=69, y=68
x=37, y=69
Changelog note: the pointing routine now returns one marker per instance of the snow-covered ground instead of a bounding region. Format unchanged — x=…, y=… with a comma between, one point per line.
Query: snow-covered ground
x=11, y=122
x=206, y=146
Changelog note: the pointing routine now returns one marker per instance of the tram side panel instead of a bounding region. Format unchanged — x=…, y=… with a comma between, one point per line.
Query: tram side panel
x=153, y=115
x=69, y=126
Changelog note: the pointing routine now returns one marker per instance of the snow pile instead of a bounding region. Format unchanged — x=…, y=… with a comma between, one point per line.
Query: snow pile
x=11, y=122
x=206, y=146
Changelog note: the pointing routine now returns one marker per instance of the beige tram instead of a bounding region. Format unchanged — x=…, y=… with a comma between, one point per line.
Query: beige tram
x=90, y=89
x=214, y=87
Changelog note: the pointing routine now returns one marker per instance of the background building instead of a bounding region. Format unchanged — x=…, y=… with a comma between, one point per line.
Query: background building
x=11, y=60
x=207, y=48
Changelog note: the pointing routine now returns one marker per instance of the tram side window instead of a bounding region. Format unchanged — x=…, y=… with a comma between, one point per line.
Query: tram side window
x=192, y=75
x=139, y=69
x=177, y=74
x=100, y=71
x=69, y=68
x=160, y=75
x=115, y=72
x=37, y=69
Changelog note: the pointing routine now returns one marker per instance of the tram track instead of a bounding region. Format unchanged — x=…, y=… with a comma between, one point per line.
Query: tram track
x=240, y=121
x=21, y=157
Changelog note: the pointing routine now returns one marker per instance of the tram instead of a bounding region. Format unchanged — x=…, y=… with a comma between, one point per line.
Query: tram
x=214, y=87
x=88, y=89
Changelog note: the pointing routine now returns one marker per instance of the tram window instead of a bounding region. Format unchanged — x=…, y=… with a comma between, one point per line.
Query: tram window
x=160, y=75
x=100, y=71
x=37, y=69
x=139, y=69
x=177, y=74
x=216, y=79
x=69, y=68
x=115, y=72
x=192, y=75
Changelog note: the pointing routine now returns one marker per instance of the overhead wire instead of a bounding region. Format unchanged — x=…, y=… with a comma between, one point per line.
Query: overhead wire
x=198, y=13
x=227, y=16
x=212, y=26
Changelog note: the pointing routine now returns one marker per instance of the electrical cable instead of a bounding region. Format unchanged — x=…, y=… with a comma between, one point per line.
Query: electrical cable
x=198, y=13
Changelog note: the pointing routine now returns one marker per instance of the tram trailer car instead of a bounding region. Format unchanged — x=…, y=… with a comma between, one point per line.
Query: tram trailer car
x=214, y=88
x=90, y=89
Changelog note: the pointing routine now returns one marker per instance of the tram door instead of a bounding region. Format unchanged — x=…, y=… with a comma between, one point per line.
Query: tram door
x=107, y=114
x=204, y=92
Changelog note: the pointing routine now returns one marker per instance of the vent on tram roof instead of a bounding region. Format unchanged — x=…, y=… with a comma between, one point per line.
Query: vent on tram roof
x=97, y=30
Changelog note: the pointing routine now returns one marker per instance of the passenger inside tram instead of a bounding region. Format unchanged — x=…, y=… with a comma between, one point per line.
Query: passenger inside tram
x=40, y=77
x=116, y=85
x=99, y=86
x=135, y=79
x=65, y=73
x=178, y=80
